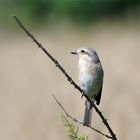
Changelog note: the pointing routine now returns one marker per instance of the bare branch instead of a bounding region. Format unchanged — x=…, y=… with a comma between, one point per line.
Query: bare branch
x=67, y=76
x=78, y=121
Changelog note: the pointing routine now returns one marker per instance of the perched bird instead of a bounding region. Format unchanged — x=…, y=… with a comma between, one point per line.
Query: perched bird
x=90, y=77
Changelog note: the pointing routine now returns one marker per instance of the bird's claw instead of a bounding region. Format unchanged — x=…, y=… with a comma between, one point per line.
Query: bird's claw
x=83, y=94
x=93, y=101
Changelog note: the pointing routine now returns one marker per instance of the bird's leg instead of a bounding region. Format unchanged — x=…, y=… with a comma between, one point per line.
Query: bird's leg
x=93, y=101
x=83, y=93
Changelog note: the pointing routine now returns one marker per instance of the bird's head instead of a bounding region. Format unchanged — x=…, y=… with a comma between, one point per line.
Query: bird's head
x=87, y=54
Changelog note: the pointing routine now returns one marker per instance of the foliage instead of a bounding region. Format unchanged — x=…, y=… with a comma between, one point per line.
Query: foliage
x=77, y=11
x=72, y=129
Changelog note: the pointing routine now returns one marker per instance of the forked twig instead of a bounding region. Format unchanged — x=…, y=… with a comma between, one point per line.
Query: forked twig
x=78, y=121
x=67, y=76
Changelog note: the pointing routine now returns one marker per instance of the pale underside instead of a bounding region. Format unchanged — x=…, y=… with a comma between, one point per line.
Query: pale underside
x=90, y=77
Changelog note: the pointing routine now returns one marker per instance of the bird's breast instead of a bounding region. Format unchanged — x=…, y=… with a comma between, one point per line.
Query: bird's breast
x=90, y=78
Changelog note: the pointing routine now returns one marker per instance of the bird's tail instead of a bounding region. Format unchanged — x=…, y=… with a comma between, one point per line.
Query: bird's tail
x=88, y=114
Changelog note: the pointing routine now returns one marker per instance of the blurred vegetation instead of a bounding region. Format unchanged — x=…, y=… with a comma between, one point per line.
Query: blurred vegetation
x=77, y=11
x=72, y=129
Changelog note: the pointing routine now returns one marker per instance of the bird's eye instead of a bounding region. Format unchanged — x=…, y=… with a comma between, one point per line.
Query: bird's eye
x=82, y=51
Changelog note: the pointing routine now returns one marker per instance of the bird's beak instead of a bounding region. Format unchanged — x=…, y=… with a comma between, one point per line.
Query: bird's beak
x=74, y=52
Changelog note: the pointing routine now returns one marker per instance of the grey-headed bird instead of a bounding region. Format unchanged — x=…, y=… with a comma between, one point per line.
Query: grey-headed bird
x=90, y=77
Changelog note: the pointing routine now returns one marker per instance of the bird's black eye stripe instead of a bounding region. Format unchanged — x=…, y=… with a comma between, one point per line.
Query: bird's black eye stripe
x=82, y=51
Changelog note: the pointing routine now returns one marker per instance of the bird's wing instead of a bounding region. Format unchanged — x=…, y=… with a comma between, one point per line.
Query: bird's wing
x=98, y=97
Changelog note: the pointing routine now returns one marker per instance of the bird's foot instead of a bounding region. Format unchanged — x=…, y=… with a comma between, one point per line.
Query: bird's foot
x=83, y=94
x=93, y=101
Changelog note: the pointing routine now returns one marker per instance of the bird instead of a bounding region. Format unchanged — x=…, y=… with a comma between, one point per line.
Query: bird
x=91, y=76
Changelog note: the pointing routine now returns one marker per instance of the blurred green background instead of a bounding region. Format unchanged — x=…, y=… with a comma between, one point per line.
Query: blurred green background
x=77, y=11
x=28, y=78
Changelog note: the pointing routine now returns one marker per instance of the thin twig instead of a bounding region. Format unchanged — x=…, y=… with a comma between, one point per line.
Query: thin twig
x=67, y=76
x=78, y=121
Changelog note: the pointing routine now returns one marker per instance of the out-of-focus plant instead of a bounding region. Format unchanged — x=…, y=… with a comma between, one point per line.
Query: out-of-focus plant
x=72, y=129
x=77, y=11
